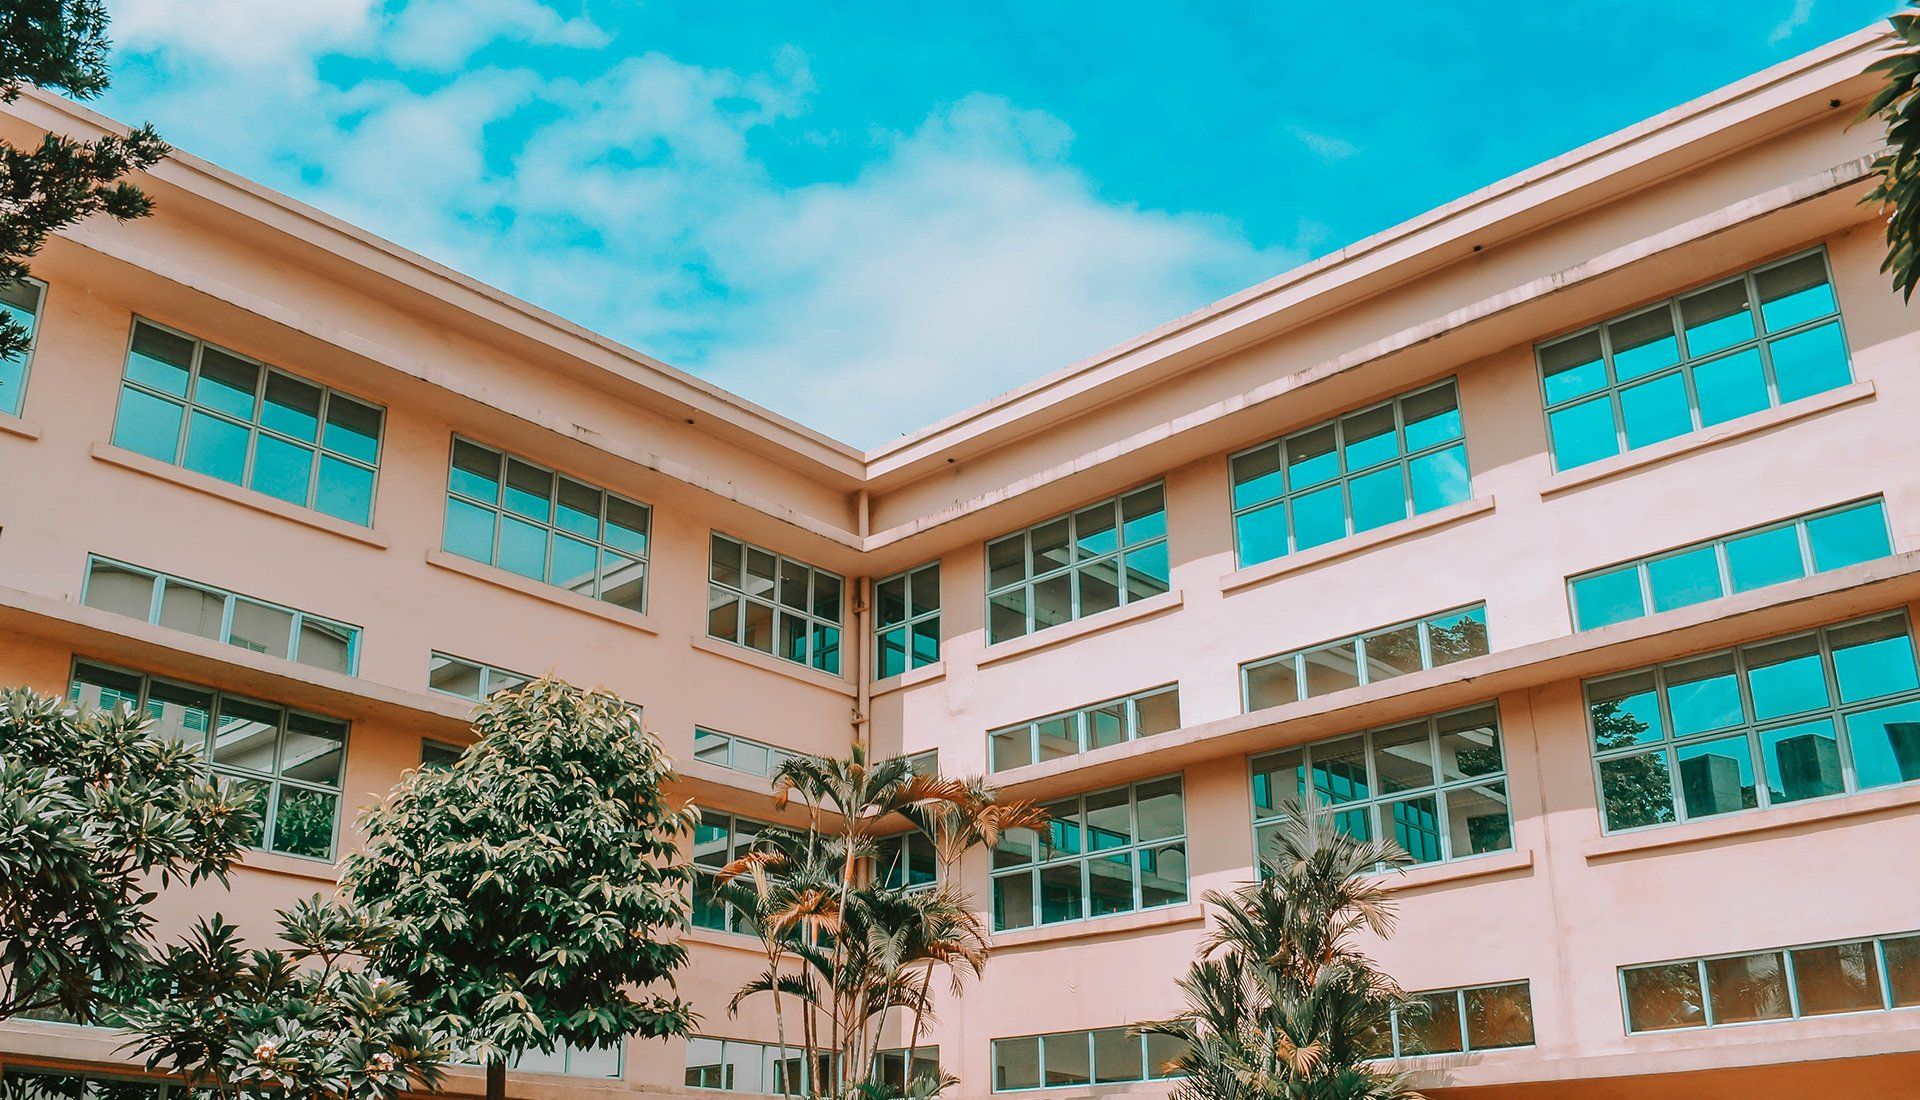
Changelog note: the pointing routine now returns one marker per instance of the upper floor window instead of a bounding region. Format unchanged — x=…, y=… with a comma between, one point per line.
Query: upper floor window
x=1112, y=722
x=1365, y=658
x=1103, y=853
x=1866, y=975
x=1106, y=1056
x=1436, y=786
x=738, y=753
x=1754, y=558
x=177, y=604
x=188, y=403
x=1452, y=1021
x=19, y=302
x=1079, y=564
x=436, y=755
x=1760, y=339
x=286, y=762
x=470, y=679
x=718, y=840
x=1351, y=474
x=906, y=621
x=526, y=519
x=906, y=860
x=772, y=603
x=1807, y=715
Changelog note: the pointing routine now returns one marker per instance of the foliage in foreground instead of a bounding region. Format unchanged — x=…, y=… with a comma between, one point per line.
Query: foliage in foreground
x=94, y=812
x=1282, y=1004
x=530, y=882
x=312, y=1022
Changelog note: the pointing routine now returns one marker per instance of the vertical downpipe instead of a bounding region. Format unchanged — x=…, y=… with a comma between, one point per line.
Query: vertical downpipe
x=862, y=611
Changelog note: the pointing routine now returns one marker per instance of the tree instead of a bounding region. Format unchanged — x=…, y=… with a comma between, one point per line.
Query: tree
x=529, y=881
x=94, y=810
x=1281, y=1004
x=1896, y=190
x=263, y=1023
x=847, y=942
x=60, y=44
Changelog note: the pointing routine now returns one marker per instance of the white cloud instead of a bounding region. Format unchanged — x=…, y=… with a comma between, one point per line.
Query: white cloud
x=1801, y=14
x=241, y=33
x=438, y=35
x=1325, y=146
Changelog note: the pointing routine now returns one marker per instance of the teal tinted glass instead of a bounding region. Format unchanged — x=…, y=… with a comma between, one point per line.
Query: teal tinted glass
x=1257, y=477
x=1802, y=761
x=292, y=407
x=353, y=429
x=1431, y=417
x=1368, y=438
x=1573, y=367
x=523, y=548
x=1262, y=534
x=226, y=384
x=282, y=469
x=1311, y=458
x=469, y=531
x=1703, y=695
x=1847, y=538
x=1606, y=598
x=1764, y=558
x=1873, y=659
x=1319, y=517
x=160, y=360
x=1643, y=344
x=1685, y=578
x=1625, y=711
x=1439, y=479
x=1885, y=745
x=1656, y=410
x=345, y=491
x=1794, y=293
x=1810, y=362
x=147, y=425
x=1583, y=433
x=19, y=303
x=1786, y=677
x=1636, y=791
x=1730, y=386
x=1716, y=777
x=1718, y=317
x=1378, y=498
x=216, y=447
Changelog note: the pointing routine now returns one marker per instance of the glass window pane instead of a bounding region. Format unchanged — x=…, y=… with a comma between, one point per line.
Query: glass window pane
x=1060, y=893
x=1261, y=534
x=1403, y=758
x=120, y=590
x=1786, y=677
x=628, y=525
x=1606, y=598
x=1717, y=317
x=1161, y=809
x=346, y=491
x=1368, y=438
x=1683, y=579
x=925, y=589
x=1053, y=601
x=1378, y=498
x=1643, y=343
x=795, y=582
x=226, y=384
x=261, y=629
x=1007, y=615
x=1012, y=748
x=1393, y=652
x=1050, y=545
x=353, y=429
x=1453, y=638
x=1636, y=791
x=1764, y=558
x=1469, y=744
x=1157, y=713
x=1311, y=459
x=1106, y=725
x=1440, y=479
x=523, y=548
x=1066, y=1058
x=469, y=530
x=1802, y=761
x=726, y=562
x=282, y=469
x=247, y=736
x=757, y=627
x=1903, y=969
x=1116, y=1055
x=1794, y=293
x=1660, y=998
x=1143, y=515
x=455, y=677
x=1809, y=362
x=1109, y=817
x=1842, y=978
x=1279, y=779
x=1272, y=684
x=1331, y=668
x=1099, y=586
x=1431, y=416
x=1163, y=874
x=303, y=822
x=475, y=472
x=1872, y=659
x=1846, y=538
x=1147, y=572
x=1499, y=1016
x=292, y=408
x=1886, y=745
x=1747, y=988
x=1096, y=531
x=529, y=490
x=1016, y=1063
x=1656, y=410
x=1340, y=771
x=890, y=601
x=1730, y=386
x=1583, y=433
x=194, y=610
x=1703, y=694
x=623, y=581
x=180, y=713
x=1058, y=736
x=1432, y=1025
x=1716, y=777
x=1318, y=517
x=890, y=654
x=1414, y=824
x=1110, y=884
x=577, y=508
x=1572, y=367
x=1257, y=477
x=575, y=564
x=1479, y=820
x=147, y=425
x=160, y=359
x=1006, y=561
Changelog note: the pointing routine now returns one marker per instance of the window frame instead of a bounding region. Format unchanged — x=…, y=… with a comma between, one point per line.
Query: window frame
x=1642, y=565
x=777, y=607
x=1081, y=717
x=730, y=924
x=1138, y=844
x=1031, y=576
x=774, y=752
x=299, y=618
x=1762, y=339
x=189, y=404
x=273, y=780
x=1460, y=1007
x=911, y=581
x=1667, y=746
x=1403, y=458
x=1699, y=962
x=33, y=346
x=487, y=675
x=1093, y=1069
x=1362, y=665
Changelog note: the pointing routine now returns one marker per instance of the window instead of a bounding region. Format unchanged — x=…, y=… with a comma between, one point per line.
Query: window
x=924, y=763
x=1078, y=564
x=1868, y=975
x=906, y=860
x=20, y=303
x=1436, y=786
x=1104, y=853
x=574, y=1061
x=1351, y=474
x=33, y=1084
x=906, y=621
x=436, y=756
x=1450, y=1021
x=1808, y=715
x=1366, y=658
x=1093, y=727
x=286, y=762
x=507, y=512
x=736, y=1065
x=250, y=624
x=1760, y=339
x=774, y=604
x=470, y=679
x=1759, y=556
x=191, y=404
x=891, y=1066
x=718, y=840
x=738, y=753
x=1108, y=1056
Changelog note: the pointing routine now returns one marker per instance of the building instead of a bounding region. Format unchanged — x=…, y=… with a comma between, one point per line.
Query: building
x=1569, y=533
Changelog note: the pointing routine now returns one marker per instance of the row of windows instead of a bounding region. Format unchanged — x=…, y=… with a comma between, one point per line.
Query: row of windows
x=1866, y=975
x=741, y=1065
x=1453, y=1021
x=472, y=680
x=1113, y=722
x=1107, y=1056
x=775, y=604
x=1090, y=560
x=1365, y=658
x=737, y=753
x=256, y=625
x=1108, y=852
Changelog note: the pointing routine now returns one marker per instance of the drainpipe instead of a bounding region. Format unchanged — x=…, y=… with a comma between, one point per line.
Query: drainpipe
x=862, y=612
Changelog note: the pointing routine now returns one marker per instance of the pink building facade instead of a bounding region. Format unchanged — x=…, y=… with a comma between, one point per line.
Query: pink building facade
x=1568, y=534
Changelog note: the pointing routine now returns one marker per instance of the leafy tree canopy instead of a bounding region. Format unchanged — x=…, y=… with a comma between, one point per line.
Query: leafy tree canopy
x=1896, y=189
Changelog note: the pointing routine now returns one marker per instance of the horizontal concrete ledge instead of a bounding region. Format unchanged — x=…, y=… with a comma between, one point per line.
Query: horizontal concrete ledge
x=1118, y=924
x=812, y=677
x=1668, y=449
x=234, y=494
x=559, y=597
x=13, y=425
x=1827, y=597
x=1080, y=628
x=913, y=677
x=1743, y=825
x=1347, y=547
x=1463, y=870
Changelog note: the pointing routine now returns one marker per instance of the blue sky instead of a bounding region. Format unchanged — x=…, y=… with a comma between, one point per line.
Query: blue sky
x=871, y=215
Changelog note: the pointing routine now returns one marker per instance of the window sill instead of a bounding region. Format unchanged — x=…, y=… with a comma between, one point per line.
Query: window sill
x=13, y=425
x=1081, y=628
x=1739, y=826
x=246, y=498
x=1607, y=468
x=925, y=674
x=278, y=863
x=1190, y=913
x=1460, y=870
x=559, y=597
x=1355, y=544
x=806, y=674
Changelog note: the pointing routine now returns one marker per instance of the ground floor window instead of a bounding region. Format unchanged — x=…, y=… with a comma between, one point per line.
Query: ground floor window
x=1106, y=1056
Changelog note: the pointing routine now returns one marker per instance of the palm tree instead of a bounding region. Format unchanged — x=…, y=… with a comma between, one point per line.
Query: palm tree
x=1281, y=1004
x=1896, y=189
